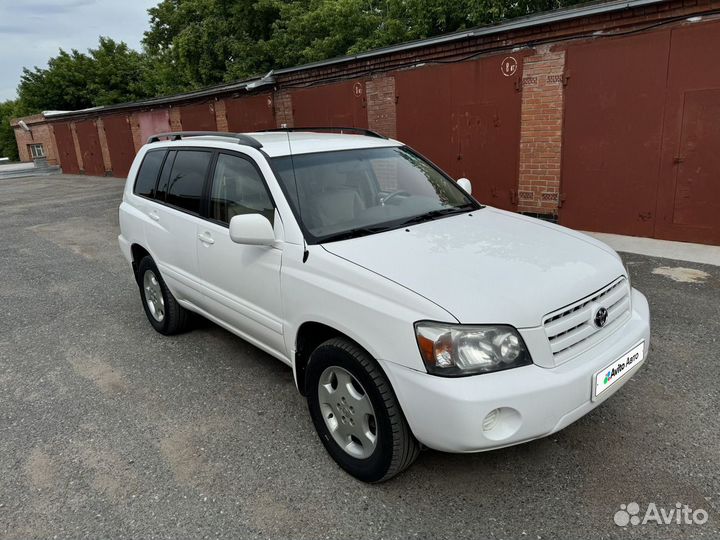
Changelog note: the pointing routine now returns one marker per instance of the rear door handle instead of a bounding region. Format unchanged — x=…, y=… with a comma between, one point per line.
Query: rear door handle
x=205, y=238
x=154, y=215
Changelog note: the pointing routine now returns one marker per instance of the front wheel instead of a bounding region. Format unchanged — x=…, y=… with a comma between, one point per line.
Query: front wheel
x=356, y=413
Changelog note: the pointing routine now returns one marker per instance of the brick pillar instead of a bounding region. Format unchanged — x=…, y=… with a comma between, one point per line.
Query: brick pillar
x=76, y=143
x=104, y=146
x=175, y=123
x=381, y=110
x=283, y=109
x=135, y=130
x=221, y=116
x=541, y=131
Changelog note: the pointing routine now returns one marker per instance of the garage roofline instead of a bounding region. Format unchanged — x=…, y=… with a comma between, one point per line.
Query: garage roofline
x=530, y=21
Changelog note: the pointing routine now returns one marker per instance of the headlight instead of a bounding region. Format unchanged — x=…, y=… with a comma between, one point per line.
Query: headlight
x=456, y=350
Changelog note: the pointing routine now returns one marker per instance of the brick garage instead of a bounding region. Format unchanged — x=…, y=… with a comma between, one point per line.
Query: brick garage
x=494, y=104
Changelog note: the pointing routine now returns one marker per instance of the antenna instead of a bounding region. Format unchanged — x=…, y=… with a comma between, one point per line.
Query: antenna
x=306, y=253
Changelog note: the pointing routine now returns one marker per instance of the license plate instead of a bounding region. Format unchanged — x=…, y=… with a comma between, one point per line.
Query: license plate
x=614, y=372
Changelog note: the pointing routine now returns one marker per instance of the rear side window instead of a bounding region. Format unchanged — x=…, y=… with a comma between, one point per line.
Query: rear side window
x=187, y=179
x=148, y=173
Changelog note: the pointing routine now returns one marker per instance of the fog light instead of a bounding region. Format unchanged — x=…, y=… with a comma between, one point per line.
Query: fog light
x=491, y=420
x=501, y=423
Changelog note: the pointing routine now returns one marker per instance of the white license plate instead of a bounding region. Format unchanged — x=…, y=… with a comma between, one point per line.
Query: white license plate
x=614, y=372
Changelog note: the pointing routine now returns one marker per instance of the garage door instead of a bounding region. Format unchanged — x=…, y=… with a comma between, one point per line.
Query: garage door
x=641, y=136
x=466, y=118
x=612, y=134
x=689, y=190
x=66, y=148
x=89, y=141
x=331, y=105
x=252, y=113
x=120, y=144
x=198, y=117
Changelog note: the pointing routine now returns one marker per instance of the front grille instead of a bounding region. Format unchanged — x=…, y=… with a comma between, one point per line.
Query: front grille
x=572, y=330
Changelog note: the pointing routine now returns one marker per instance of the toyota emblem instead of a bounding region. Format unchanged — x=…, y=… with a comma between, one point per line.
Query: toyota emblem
x=601, y=316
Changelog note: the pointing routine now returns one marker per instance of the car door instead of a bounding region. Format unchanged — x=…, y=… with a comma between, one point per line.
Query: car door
x=172, y=234
x=241, y=282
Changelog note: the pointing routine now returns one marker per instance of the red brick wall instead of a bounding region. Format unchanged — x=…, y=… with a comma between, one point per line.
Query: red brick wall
x=541, y=131
x=104, y=146
x=38, y=134
x=135, y=129
x=283, y=109
x=221, y=115
x=381, y=111
x=78, y=152
x=175, y=123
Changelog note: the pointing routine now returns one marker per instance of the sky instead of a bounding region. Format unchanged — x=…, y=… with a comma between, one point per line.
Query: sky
x=32, y=31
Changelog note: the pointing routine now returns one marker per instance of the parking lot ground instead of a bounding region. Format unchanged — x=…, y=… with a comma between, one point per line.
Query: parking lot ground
x=110, y=430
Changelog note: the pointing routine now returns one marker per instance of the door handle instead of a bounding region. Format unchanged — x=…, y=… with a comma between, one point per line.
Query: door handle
x=205, y=238
x=154, y=216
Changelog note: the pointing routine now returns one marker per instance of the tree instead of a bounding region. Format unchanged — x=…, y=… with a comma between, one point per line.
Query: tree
x=8, y=145
x=111, y=73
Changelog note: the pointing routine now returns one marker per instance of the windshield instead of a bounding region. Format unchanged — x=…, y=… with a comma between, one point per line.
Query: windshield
x=339, y=195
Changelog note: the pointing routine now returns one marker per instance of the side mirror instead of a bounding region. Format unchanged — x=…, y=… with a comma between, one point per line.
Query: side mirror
x=251, y=229
x=465, y=184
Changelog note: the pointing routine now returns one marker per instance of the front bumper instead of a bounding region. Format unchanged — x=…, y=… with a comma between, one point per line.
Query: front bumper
x=448, y=413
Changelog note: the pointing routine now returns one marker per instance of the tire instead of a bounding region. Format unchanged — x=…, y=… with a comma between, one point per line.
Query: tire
x=162, y=310
x=394, y=448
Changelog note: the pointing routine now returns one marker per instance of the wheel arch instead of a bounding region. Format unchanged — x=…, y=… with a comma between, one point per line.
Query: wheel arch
x=310, y=334
x=138, y=252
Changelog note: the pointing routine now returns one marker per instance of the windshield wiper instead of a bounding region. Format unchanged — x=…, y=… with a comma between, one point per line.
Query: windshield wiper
x=435, y=214
x=354, y=233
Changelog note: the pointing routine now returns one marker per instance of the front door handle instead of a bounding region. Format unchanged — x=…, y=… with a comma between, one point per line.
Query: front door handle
x=154, y=216
x=205, y=238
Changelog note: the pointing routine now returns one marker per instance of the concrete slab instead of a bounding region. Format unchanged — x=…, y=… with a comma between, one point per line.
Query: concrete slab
x=679, y=251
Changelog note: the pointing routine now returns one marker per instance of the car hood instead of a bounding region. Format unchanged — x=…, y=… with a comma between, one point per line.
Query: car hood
x=488, y=266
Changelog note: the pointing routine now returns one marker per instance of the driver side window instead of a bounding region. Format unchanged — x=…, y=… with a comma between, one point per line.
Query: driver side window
x=238, y=188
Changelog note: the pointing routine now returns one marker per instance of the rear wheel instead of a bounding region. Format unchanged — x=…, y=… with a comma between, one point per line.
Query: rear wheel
x=356, y=413
x=162, y=310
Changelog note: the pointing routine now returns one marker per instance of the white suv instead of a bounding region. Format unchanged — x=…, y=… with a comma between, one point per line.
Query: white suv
x=410, y=313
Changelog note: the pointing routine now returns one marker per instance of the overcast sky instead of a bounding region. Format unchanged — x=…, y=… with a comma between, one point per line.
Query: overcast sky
x=31, y=31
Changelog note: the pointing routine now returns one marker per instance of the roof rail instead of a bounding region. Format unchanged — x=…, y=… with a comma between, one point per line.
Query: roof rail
x=241, y=138
x=358, y=131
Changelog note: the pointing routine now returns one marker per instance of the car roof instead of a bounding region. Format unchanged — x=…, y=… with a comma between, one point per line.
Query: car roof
x=283, y=143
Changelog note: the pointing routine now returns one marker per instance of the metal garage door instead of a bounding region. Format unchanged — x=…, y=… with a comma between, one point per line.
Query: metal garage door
x=120, y=143
x=466, y=118
x=66, y=148
x=612, y=133
x=89, y=141
x=334, y=105
x=199, y=117
x=689, y=192
x=641, y=136
x=251, y=113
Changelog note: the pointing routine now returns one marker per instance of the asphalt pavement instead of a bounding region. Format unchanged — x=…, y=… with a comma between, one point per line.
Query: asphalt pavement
x=110, y=430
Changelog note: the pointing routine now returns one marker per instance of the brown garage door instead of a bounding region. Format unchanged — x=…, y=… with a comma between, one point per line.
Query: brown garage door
x=66, y=148
x=120, y=143
x=641, y=136
x=466, y=118
x=612, y=133
x=198, y=117
x=89, y=141
x=252, y=113
x=689, y=193
x=331, y=105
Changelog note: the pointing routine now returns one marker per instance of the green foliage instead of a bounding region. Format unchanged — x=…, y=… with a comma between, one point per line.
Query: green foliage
x=8, y=145
x=111, y=73
x=198, y=43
